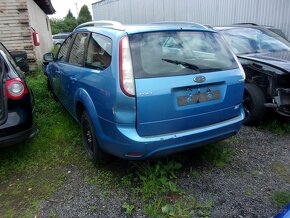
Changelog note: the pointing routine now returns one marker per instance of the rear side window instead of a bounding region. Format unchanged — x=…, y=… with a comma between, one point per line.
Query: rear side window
x=99, y=53
x=63, y=50
x=78, y=49
x=178, y=52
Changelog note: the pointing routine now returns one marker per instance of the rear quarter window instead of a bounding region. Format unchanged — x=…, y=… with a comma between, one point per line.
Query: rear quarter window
x=99, y=53
x=153, y=52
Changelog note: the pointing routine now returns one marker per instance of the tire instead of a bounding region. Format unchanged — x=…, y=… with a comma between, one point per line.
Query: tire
x=90, y=142
x=253, y=101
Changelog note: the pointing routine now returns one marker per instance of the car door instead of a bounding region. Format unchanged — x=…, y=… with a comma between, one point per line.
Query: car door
x=2, y=88
x=74, y=69
x=59, y=66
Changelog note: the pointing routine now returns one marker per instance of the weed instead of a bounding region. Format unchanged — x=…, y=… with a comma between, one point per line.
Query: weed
x=102, y=178
x=281, y=170
x=277, y=126
x=93, y=208
x=55, y=49
x=281, y=198
x=256, y=173
x=128, y=208
x=52, y=214
x=158, y=190
x=194, y=173
x=217, y=154
x=248, y=193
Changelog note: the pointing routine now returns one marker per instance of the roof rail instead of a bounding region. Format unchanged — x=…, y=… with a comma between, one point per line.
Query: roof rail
x=181, y=23
x=102, y=23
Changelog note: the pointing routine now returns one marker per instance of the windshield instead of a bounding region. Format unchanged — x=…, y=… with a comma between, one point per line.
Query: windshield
x=249, y=40
x=178, y=52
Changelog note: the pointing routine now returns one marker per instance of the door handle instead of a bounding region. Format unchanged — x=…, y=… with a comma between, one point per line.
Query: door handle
x=58, y=72
x=73, y=79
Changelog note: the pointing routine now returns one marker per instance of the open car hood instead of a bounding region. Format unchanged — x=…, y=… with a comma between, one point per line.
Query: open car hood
x=280, y=60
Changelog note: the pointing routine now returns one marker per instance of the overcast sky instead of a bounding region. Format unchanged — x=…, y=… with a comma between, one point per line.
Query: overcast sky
x=62, y=7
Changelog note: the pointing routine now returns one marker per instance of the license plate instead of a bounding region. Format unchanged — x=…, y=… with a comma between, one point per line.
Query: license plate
x=198, y=98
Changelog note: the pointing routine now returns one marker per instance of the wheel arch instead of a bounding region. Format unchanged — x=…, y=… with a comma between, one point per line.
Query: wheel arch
x=83, y=102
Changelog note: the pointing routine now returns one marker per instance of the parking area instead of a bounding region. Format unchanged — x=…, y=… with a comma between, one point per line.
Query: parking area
x=50, y=176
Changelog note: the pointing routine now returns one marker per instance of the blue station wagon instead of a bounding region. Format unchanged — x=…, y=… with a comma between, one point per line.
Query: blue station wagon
x=142, y=91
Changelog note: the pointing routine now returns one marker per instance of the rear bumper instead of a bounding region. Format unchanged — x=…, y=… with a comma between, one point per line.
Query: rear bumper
x=18, y=137
x=123, y=140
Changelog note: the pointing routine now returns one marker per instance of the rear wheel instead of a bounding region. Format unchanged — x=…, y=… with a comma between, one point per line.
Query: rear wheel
x=92, y=148
x=253, y=102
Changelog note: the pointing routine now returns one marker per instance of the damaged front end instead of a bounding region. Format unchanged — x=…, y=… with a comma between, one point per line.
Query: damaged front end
x=282, y=98
x=273, y=81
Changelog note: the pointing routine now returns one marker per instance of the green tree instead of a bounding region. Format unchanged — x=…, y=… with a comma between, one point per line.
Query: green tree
x=57, y=25
x=84, y=15
x=69, y=22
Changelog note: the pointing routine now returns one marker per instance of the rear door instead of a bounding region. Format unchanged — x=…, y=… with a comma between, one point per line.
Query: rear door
x=184, y=80
x=59, y=67
x=72, y=74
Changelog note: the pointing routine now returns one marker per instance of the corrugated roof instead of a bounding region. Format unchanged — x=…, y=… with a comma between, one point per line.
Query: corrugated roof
x=46, y=6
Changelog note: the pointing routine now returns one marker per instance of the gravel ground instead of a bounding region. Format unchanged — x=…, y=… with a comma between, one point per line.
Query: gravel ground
x=242, y=188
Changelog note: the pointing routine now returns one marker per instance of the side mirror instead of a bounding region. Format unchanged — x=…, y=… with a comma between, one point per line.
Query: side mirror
x=48, y=57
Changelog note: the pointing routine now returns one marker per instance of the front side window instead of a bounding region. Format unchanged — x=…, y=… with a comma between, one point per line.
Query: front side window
x=78, y=49
x=250, y=40
x=63, y=50
x=173, y=53
x=99, y=52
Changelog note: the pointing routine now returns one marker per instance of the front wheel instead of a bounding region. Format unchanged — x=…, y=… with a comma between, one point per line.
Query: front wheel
x=253, y=102
x=90, y=142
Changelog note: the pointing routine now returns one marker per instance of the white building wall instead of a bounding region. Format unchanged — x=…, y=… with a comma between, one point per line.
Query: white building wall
x=39, y=21
x=214, y=12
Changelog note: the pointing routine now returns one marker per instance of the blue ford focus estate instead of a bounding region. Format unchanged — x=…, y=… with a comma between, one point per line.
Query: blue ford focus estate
x=143, y=91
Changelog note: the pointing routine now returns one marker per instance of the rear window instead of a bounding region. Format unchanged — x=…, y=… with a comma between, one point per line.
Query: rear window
x=174, y=53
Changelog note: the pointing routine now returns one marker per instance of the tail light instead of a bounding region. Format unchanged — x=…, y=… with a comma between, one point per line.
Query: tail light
x=16, y=89
x=125, y=68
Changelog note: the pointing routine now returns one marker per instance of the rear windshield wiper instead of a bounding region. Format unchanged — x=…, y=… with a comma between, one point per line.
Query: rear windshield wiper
x=185, y=64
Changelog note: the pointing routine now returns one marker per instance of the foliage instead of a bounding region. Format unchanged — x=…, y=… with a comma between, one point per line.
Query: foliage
x=84, y=15
x=277, y=125
x=281, y=170
x=57, y=25
x=156, y=185
x=33, y=170
x=128, y=208
x=66, y=24
x=69, y=22
x=281, y=198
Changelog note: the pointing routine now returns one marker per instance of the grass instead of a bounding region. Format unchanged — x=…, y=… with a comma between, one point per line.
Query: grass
x=281, y=198
x=281, y=170
x=277, y=125
x=155, y=183
x=32, y=171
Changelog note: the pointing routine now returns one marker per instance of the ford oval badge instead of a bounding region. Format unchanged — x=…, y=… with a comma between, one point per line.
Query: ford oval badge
x=199, y=79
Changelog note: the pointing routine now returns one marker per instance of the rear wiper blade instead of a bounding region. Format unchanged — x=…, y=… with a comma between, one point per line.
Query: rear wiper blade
x=185, y=64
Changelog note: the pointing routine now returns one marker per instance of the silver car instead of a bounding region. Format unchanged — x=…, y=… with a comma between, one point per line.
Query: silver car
x=59, y=38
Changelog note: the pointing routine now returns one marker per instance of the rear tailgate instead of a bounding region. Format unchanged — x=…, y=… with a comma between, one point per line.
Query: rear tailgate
x=174, y=97
x=173, y=104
